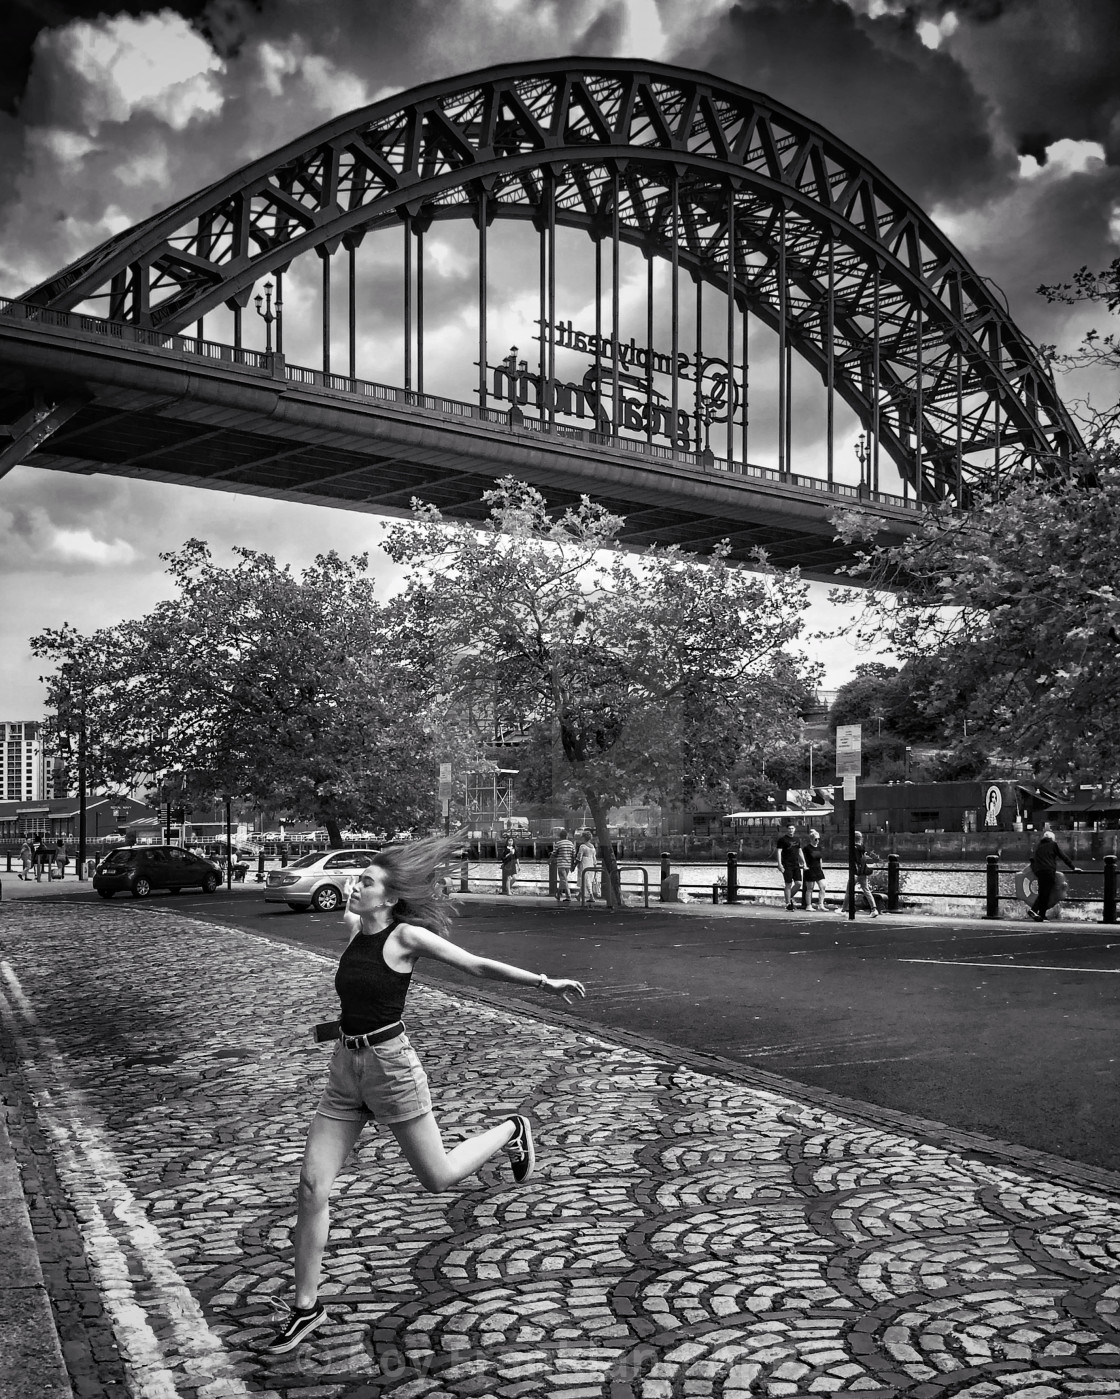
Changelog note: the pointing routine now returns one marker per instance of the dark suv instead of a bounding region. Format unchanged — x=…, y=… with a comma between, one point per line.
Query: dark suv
x=142, y=868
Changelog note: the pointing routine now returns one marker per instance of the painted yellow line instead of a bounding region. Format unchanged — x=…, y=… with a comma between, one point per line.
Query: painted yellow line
x=1011, y=966
x=168, y=1346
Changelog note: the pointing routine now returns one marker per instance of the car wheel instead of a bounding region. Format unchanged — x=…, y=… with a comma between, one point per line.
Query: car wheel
x=326, y=898
x=106, y=893
x=141, y=887
x=210, y=884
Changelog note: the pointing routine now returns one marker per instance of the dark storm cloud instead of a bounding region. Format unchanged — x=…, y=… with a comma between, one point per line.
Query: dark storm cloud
x=910, y=110
x=1049, y=68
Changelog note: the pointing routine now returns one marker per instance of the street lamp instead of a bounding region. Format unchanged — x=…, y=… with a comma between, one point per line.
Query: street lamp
x=863, y=456
x=267, y=315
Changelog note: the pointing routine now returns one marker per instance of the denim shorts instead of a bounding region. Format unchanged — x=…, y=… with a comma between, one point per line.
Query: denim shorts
x=385, y=1083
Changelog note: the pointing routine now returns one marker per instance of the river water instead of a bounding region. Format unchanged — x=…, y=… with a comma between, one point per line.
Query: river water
x=925, y=888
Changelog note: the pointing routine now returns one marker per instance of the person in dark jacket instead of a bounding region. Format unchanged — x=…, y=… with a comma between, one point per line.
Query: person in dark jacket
x=1044, y=865
x=863, y=862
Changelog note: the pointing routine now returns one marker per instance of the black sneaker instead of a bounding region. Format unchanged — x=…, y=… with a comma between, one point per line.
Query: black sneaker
x=519, y=1149
x=299, y=1326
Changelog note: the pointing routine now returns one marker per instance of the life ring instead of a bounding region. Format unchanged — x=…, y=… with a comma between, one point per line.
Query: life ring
x=1026, y=886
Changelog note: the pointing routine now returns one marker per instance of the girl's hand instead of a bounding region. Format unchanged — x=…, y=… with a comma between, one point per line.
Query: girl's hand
x=566, y=990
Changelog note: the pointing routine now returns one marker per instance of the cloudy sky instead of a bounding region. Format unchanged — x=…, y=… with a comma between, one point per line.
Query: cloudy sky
x=1002, y=117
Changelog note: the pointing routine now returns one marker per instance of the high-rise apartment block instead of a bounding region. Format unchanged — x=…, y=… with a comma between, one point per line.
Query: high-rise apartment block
x=23, y=764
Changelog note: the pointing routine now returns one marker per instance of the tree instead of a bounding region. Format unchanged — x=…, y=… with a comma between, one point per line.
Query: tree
x=1096, y=351
x=254, y=682
x=652, y=672
x=1015, y=606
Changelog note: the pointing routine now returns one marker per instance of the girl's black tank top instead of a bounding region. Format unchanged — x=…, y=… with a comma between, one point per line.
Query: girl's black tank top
x=372, y=994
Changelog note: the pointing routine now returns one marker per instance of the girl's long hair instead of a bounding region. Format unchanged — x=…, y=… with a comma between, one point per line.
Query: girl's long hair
x=410, y=873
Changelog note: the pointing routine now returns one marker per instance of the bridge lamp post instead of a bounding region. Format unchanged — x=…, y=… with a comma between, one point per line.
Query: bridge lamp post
x=267, y=315
x=863, y=456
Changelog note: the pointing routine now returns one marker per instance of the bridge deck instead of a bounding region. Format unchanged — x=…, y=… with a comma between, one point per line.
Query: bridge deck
x=171, y=408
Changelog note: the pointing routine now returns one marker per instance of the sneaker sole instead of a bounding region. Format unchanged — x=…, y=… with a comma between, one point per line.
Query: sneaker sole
x=285, y=1346
x=530, y=1153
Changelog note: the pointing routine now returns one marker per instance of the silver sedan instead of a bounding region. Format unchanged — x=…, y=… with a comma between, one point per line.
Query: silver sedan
x=319, y=881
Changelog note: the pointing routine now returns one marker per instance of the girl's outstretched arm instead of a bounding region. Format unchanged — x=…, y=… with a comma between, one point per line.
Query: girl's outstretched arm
x=419, y=942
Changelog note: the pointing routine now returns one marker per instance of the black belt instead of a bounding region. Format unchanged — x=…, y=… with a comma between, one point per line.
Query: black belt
x=388, y=1032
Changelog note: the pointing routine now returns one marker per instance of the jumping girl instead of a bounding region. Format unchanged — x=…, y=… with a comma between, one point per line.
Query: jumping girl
x=394, y=919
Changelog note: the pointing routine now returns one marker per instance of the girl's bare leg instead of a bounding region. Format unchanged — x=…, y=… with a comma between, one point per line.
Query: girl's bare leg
x=434, y=1166
x=329, y=1143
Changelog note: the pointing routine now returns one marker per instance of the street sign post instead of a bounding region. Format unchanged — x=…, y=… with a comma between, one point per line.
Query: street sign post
x=849, y=765
x=446, y=792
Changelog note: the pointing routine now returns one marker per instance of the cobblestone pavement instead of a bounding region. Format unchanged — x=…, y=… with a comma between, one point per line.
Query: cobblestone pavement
x=685, y=1234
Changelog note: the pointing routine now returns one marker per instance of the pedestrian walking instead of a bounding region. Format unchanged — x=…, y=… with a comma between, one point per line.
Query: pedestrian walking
x=394, y=917
x=26, y=859
x=863, y=862
x=585, y=865
x=511, y=866
x=791, y=861
x=564, y=853
x=814, y=870
x=61, y=859
x=40, y=857
x=1044, y=867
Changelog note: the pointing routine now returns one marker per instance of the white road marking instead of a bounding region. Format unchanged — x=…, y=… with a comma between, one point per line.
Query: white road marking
x=96, y=1186
x=1012, y=966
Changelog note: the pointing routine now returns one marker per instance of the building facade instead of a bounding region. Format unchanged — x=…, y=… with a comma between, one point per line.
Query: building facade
x=23, y=767
x=907, y=808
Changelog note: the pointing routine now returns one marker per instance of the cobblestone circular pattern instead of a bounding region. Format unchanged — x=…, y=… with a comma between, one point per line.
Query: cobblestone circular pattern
x=684, y=1236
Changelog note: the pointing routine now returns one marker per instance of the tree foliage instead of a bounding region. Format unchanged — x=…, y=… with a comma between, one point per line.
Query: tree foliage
x=653, y=672
x=1096, y=351
x=254, y=682
x=1015, y=606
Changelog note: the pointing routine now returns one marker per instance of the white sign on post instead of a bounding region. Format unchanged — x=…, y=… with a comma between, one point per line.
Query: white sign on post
x=849, y=751
x=446, y=785
x=849, y=787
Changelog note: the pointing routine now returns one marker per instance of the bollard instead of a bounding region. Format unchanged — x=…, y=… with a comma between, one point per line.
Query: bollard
x=464, y=874
x=993, y=887
x=893, y=883
x=553, y=882
x=260, y=867
x=732, y=878
x=715, y=893
x=283, y=857
x=1109, y=889
x=665, y=857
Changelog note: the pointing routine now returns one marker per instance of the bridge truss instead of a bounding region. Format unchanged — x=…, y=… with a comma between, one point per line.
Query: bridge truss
x=787, y=223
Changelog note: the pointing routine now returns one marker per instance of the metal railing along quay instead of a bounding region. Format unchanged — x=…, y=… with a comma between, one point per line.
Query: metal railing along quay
x=997, y=881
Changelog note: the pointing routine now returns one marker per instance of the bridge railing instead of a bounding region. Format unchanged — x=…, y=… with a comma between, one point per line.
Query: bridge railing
x=124, y=334
x=516, y=421
x=512, y=419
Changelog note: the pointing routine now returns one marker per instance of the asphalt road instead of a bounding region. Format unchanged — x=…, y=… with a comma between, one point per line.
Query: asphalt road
x=1008, y=1029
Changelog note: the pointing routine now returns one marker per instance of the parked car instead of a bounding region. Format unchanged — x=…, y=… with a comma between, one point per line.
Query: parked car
x=142, y=868
x=318, y=881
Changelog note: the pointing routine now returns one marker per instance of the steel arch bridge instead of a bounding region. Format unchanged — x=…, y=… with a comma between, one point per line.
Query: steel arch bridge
x=789, y=226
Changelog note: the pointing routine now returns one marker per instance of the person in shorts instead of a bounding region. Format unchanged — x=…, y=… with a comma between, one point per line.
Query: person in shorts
x=564, y=853
x=790, y=861
x=395, y=917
